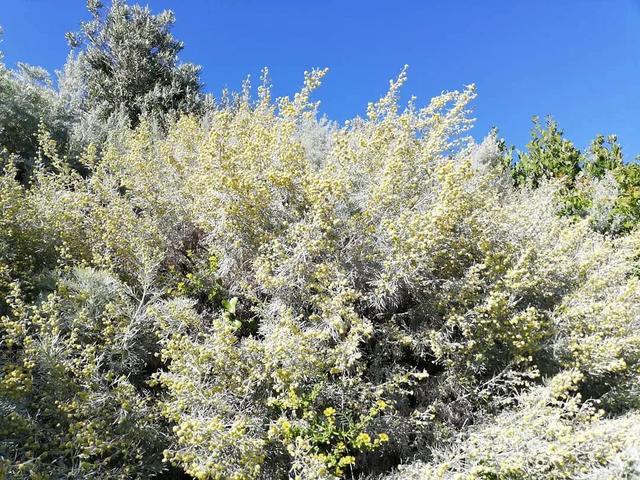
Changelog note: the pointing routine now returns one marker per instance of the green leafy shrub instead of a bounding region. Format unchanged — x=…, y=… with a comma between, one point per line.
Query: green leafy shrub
x=586, y=177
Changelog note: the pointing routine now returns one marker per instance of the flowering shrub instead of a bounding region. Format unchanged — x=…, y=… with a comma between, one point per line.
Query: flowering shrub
x=258, y=294
x=544, y=438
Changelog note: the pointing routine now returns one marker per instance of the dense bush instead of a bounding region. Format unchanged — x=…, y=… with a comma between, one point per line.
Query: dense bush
x=27, y=101
x=253, y=293
x=261, y=295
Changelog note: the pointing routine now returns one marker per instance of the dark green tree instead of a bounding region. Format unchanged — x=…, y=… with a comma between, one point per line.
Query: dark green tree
x=132, y=63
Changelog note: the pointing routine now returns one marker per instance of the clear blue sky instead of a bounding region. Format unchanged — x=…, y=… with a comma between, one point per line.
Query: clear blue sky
x=578, y=60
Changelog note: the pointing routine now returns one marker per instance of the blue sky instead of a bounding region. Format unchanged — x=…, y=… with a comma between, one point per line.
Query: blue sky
x=578, y=60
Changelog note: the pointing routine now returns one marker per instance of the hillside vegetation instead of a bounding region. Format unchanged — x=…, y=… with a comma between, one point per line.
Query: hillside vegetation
x=240, y=289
